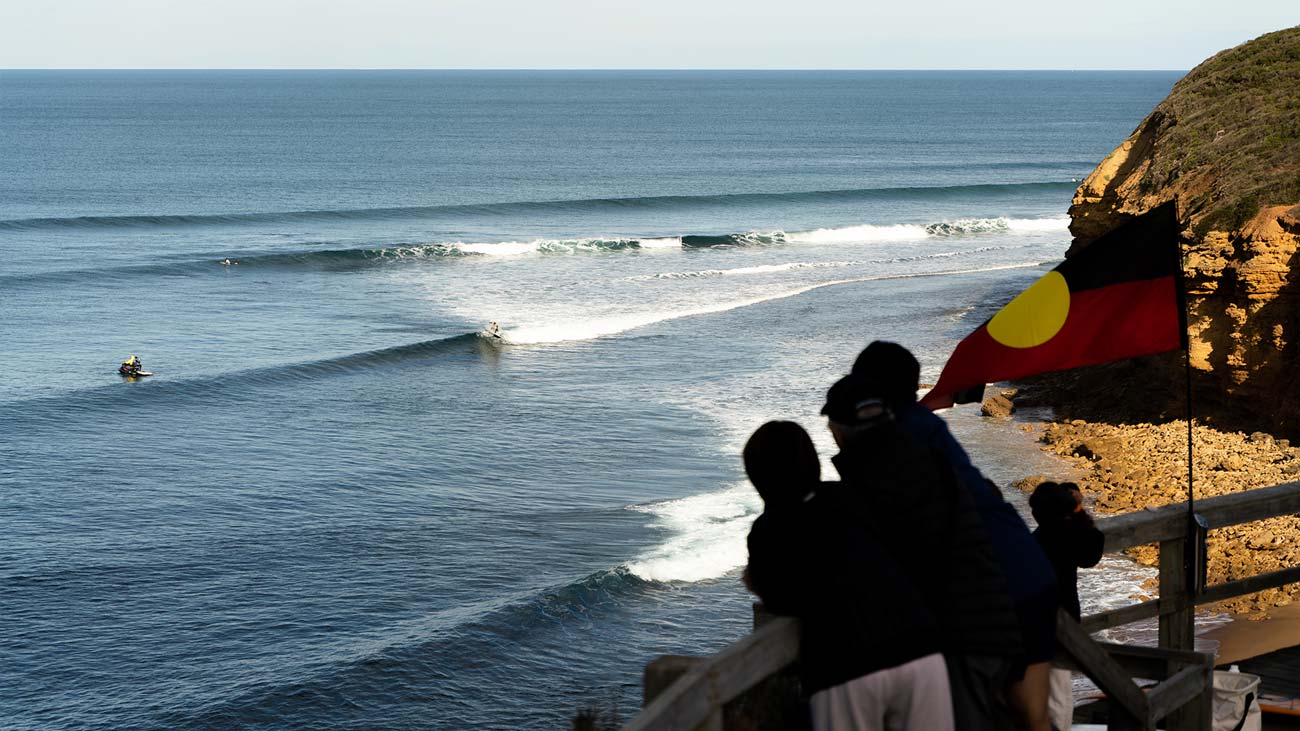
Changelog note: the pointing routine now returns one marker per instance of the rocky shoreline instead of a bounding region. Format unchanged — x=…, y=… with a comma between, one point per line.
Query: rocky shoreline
x=1128, y=467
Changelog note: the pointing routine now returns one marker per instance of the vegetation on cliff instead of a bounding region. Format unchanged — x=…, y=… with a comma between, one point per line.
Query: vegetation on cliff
x=1225, y=143
x=1233, y=133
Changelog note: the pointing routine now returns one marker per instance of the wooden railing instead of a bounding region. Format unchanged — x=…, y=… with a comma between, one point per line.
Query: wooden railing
x=690, y=693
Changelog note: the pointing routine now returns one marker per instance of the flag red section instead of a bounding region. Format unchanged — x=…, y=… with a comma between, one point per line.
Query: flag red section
x=1123, y=320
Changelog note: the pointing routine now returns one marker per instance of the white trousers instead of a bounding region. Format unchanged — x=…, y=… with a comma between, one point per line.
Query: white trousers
x=1060, y=702
x=911, y=697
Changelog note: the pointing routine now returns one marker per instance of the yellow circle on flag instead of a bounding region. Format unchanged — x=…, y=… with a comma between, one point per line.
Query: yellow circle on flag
x=1033, y=317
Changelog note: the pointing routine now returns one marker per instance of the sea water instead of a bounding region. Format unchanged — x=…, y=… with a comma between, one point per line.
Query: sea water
x=336, y=505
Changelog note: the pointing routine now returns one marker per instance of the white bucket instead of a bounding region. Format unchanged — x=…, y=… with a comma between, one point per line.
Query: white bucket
x=1236, y=701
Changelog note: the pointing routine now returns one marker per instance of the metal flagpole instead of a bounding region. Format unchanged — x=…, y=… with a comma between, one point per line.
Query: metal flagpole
x=1194, y=555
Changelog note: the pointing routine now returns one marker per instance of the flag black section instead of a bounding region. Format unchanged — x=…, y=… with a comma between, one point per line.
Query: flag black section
x=1137, y=250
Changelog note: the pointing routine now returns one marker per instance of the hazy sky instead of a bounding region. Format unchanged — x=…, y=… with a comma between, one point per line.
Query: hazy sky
x=944, y=34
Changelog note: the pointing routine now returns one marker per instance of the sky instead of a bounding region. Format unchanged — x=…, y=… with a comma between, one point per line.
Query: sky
x=621, y=34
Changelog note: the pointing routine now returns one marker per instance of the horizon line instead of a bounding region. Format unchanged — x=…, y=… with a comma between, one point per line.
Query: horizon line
x=566, y=69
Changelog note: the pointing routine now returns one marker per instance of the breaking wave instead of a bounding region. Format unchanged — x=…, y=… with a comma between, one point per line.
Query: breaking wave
x=590, y=328
x=708, y=535
x=340, y=260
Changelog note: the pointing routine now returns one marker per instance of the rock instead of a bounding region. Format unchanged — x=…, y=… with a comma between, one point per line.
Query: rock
x=1263, y=541
x=1225, y=145
x=1230, y=463
x=1027, y=484
x=997, y=405
x=1144, y=467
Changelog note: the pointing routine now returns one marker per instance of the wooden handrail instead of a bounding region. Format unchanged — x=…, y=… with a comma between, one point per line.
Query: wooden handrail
x=1170, y=521
x=695, y=700
x=702, y=691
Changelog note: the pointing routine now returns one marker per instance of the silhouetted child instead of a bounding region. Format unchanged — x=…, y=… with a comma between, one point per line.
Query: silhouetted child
x=870, y=654
x=1071, y=542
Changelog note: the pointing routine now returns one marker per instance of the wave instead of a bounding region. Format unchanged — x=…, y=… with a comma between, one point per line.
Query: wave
x=709, y=536
x=240, y=384
x=562, y=206
x=437, y=655
x=340, y=260
x=896, y=232
x=750, y=238
x=966, y=226
x=590, y=328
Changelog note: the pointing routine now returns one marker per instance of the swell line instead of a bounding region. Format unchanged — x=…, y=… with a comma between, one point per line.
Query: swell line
x=343, y=260
x=237, y=384
x=497, y=209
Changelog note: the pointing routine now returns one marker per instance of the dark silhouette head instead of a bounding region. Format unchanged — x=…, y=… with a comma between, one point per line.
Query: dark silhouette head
x=1053, y=502
x=894, y=368
x=855, y=405
x=782, y=462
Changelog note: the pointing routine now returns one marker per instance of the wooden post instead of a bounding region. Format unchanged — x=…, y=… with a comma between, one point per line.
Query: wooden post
x=1177, y=628
x=663, y=671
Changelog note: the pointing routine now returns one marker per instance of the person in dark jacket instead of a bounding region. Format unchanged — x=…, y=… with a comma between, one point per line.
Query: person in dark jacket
x=1030, y=579
x=923, y=515
x=1068, y=537
x=1072, y=542
x=870, y=649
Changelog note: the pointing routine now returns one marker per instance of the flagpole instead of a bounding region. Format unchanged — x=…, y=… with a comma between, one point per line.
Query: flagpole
x=1194, y=554
x=1187, y=371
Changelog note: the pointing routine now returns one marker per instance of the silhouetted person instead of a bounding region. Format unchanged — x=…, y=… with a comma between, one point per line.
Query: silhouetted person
x=1072, y=542
x=870, y=649
x=1029, y=576
x=921, y=513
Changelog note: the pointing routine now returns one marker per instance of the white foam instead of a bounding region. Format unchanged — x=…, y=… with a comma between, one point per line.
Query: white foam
x=913, y=232
x=668, y=243
x=708, y=535
x=589, y=328
x=740, y=271
x=1039, y=224
x=792, y=266
x=897, y=232
x=504, y=248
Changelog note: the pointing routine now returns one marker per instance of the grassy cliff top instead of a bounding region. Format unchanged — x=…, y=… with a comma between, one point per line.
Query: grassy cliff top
x=1229, y=133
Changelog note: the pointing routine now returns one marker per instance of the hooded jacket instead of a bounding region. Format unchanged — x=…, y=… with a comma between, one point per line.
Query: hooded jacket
x=922, y=514
x=1026, y=569
x=815, y=559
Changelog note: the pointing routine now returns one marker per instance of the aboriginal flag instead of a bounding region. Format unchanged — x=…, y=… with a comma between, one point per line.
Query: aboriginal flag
x=1121, y=297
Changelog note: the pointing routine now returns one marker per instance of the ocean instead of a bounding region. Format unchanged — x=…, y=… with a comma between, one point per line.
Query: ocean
x=336, y=505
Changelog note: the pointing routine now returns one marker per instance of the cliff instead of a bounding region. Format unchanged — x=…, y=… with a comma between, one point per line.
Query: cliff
x=1225, y=145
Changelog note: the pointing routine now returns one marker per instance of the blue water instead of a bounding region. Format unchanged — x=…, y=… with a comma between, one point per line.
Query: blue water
x=335, y=505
